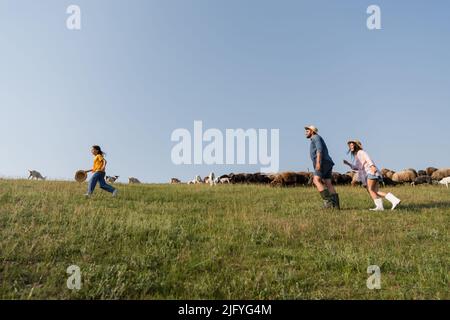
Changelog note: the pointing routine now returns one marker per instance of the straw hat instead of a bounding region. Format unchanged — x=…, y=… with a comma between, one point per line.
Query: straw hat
x=312, y=128
x=80, y=176
x=357, y=142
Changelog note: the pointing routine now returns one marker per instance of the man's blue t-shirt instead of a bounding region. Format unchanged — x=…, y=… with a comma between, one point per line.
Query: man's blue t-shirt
x=317, y=144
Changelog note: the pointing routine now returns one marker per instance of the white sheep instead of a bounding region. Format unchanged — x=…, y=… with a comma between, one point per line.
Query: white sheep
x=445, y=181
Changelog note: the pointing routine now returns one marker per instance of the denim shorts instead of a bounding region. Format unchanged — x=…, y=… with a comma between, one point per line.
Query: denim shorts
x=375, y=177
x=325, y=172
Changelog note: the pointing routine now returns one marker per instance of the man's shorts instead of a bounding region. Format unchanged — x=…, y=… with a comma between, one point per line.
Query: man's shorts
x=325, y=172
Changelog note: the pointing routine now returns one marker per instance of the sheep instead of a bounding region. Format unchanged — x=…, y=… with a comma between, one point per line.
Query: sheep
x=430, y=170
x=440, y=174
x=445, y=181
x=289, y=179
x=35, y=175
x=387, y=173
x=388, y=182
x=422, y=173
x=258, y=178
x=132, y=180
x=174, y=181
x=237, y=178
x=422, y=180
x=224, y=180
x=211, y=179
x=404, y=176
x=341, y=179
x=412, y=170
x=197, y=180
x=112, y=179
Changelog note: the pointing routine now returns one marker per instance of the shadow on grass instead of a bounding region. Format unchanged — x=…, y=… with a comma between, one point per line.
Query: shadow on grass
x=404, y=206
x=424, y=205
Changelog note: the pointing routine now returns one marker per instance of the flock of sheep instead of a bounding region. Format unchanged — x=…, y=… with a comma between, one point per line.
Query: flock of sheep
x=390, y=178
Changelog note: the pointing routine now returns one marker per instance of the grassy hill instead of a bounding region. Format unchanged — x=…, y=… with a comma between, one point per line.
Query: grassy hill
x=226, y=242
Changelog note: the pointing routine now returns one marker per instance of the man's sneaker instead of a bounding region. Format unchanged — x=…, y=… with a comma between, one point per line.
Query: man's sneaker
x=114, y=194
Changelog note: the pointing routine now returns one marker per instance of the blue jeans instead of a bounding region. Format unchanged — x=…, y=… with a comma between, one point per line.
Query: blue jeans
x=100, y=178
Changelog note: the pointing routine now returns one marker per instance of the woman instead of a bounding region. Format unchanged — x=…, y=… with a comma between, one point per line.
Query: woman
x=369, y=175
x=99, y=173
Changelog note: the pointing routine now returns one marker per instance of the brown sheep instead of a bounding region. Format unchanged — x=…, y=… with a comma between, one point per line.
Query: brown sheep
x=404, y=176
x=441, y=174
x=289, y=179
x=387, y=173
x=341, y=179
x=430, y=170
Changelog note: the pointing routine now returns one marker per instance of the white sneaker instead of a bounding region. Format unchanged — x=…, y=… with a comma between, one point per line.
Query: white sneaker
x=114, y=194
x=393, y=199
x=87, y=195
x=378, y=205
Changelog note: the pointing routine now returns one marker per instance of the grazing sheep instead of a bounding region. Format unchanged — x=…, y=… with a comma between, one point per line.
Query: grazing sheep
x=304, y=178
x=440, y=174
x=387, y=173
x=422, y=180
x=404, y=176
x=445, y=181
x=35, y=175
x=341, y=179
x=211, y=179
x=112, y=179
x=388, y=182
x=422, y=173
x=287, y=179
x=224, y=180
x=197, y=180
x=174, y=181
x=132, y=180
x=430, y=170
x=258, y=178
x=237, y=178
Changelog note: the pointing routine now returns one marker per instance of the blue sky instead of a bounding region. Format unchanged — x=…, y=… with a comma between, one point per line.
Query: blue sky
x=137, y=70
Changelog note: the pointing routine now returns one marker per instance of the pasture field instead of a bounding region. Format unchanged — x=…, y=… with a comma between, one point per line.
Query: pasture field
x=225, y=242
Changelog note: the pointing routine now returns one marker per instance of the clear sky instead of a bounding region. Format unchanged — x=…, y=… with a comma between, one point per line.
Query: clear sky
x=137, y=70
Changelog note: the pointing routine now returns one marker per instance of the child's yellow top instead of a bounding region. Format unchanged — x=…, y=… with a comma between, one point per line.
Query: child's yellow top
x=98, y=163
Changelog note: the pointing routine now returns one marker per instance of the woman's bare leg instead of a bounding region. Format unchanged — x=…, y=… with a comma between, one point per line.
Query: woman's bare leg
x=372, y=187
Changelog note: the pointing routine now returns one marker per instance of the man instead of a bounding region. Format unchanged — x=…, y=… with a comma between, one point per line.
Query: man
x=323, y=168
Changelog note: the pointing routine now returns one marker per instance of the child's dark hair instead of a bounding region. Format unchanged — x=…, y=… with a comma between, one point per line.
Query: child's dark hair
x=99, y=150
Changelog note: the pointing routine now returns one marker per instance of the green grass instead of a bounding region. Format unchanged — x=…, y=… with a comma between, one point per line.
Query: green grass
x=227, y=242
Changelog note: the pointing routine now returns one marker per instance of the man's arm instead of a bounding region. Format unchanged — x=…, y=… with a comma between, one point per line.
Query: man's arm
x=318, y=160
x=319, y=148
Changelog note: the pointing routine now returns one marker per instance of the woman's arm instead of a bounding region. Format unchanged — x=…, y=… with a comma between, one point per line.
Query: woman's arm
x=104, y=165
x=353, y=167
